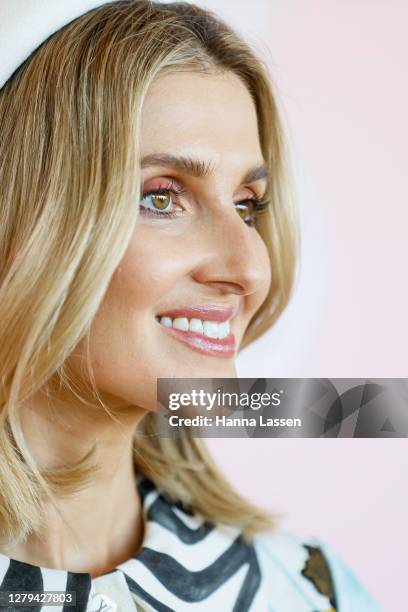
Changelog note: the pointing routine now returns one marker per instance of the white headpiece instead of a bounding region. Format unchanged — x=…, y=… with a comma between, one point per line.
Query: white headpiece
x=25, y=24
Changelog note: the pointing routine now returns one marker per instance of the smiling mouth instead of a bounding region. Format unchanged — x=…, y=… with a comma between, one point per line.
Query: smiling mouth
x=203, y=335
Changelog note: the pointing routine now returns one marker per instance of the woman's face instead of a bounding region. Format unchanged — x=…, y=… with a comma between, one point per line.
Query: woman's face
x=196, y=269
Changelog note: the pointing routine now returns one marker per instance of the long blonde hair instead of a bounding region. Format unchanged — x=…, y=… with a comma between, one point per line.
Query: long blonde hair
x=69, y=180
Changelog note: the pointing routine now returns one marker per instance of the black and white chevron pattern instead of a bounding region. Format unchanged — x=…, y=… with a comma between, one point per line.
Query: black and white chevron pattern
x=185, y=563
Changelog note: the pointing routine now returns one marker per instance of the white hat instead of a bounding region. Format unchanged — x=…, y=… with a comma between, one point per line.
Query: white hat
x=25, y=24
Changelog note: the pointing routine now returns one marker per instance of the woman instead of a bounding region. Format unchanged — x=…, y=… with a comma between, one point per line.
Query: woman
x=132, y=135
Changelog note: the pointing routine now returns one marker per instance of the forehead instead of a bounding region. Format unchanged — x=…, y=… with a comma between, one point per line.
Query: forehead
x=212, y=111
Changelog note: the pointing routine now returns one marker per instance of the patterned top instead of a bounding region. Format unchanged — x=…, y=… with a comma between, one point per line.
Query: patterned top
x=187, y=564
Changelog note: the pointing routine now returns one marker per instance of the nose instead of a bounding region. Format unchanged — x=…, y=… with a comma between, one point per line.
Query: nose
x=234, y=257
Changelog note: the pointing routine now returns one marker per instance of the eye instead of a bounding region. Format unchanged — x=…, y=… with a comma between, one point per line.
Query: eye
x=244, y=210
x=160, y=202
x=250, y=208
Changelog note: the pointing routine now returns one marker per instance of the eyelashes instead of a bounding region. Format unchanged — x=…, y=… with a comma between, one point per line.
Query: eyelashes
x=257, y=205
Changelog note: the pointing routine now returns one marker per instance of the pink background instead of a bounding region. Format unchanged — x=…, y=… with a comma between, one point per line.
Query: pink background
x=341, y=70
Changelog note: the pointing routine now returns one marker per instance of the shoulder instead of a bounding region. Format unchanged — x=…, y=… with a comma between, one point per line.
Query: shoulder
x=309, y=573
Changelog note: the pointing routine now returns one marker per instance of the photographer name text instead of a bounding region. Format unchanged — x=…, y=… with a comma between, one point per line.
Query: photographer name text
x=224, y=421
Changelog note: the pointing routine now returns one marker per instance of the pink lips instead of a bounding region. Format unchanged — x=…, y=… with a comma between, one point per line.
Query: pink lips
x=225, y=347
x=208, y=312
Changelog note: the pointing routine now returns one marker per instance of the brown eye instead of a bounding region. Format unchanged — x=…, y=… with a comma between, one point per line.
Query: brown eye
x=244, y=209
x=160, y=200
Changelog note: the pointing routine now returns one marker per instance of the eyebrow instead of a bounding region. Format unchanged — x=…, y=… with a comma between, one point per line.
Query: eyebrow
x=198, y=168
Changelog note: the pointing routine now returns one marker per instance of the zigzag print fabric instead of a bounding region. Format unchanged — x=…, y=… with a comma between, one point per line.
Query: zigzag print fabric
x=187, y=564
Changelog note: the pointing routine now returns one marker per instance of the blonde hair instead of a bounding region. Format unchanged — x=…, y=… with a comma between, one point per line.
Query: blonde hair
x=69, y=180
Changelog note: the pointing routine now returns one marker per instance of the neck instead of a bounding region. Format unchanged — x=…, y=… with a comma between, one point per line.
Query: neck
x=100, y=526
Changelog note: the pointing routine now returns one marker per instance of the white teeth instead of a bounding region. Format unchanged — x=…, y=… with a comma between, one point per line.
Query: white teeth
x=211, y=329
x=181, y=323
x=196, y=325
x=166, y=321
x=223, y=330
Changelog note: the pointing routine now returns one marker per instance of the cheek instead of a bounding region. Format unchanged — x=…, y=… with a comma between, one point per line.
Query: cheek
x=268, y=270
x=151, y=266
x=124, y=339
x=151, y=272
x=265, y=266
